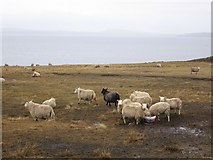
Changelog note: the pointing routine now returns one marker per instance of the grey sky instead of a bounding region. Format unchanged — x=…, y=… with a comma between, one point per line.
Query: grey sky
x=157, y=16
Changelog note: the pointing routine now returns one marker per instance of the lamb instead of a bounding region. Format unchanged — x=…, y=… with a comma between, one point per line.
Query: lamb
x=134, y=110
x=159, y=108
x=141, y=97
x=110, y=96
x=195, y=69
x=51, y=102
x=39, y=111
x=175, y=103
x=36, y=74
x=85, y=95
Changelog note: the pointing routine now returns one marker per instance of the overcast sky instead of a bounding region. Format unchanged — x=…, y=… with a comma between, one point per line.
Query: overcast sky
x=156, y=16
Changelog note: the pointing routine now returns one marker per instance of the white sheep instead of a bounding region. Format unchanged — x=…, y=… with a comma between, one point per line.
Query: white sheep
x=134, y=110
x=2, y=80
x=36, y=74
x=159, y=65
x=51, y=102
x=159, y=108
x=39, y=111
x=175, y=103
x=141, y=97
x=195, y=69
x=85, y=95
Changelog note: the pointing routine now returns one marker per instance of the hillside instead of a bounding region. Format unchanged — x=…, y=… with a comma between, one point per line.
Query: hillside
x=207, y=59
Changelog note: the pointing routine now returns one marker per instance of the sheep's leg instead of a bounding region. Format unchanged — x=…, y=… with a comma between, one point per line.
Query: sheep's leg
x=137, y=121
x=168, y=118
x=124, y=119
x=179, y=111
x=158, y=116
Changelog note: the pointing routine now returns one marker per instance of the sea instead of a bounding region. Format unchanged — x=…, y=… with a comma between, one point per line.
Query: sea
x=24, y=50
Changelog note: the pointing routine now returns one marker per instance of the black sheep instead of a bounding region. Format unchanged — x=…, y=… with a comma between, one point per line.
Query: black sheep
x=110, y=96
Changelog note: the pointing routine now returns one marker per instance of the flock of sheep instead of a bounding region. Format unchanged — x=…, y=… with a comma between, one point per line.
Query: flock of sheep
x=138, y=106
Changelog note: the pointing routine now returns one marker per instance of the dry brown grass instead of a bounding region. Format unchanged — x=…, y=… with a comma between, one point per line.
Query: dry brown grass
x=75, y=123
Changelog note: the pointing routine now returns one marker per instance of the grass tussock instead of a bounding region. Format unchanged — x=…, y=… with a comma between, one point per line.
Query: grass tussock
x=28, y=151
x=102, y=153
x=134, y=137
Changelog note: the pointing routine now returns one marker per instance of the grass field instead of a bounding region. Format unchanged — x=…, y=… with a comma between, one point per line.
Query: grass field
x=96, y=130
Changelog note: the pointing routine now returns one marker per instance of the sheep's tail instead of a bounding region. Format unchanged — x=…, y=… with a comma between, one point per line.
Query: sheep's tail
x=94, y=96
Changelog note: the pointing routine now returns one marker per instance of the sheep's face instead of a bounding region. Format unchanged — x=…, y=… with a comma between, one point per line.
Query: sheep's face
x=147, y=113
x=120, y=102
x=76, y=90
x=104, y=90
x=119, y=107
x=162, y=99
x=26, y=105
x=144, y=106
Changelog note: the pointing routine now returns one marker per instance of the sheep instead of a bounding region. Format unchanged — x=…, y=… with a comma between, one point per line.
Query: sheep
x=159, y=65
x=195, y=69
x=175, y=103
x=36, y=74
x=110, y=96
x=134, y=110
x=85, y=95
x=51, y=102
x=39, y=111
x=2, y=80
x=159, y=108
x=141, y=97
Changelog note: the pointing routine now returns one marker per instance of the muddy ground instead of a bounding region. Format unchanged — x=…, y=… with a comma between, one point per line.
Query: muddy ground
x=96, y=130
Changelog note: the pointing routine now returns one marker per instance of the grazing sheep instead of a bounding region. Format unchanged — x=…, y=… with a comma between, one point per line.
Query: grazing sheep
x=159, y=65
x=159, y=108
x=51, y=102
x=37, y=65
x=175, y=103
x=195, y=69
x=49, y=64
x=32, y=65
x=85, y=95
x=36, y=74
x=134, y=110
x=141, y=97
x=110, y=96
x=2, y=80
x=39, y=111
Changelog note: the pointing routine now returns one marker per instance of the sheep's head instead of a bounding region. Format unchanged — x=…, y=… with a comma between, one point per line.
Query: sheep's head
x=147, y=113
x=104, y=90
x=131, y=97
x=162, y=99
x=144, y=106
x=119, y=107
x=76, y=90
x=26, y=104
